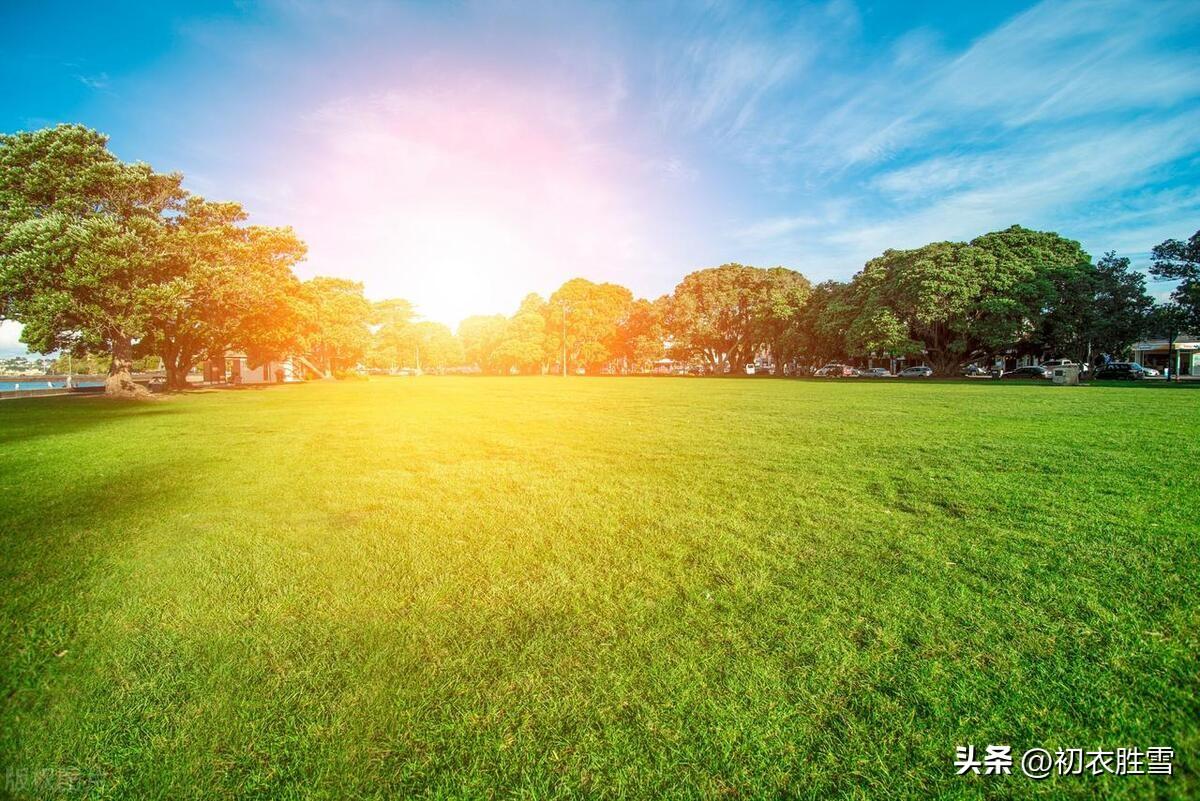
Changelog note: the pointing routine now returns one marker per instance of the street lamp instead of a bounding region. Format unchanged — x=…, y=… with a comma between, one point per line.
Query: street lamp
x=565, y=309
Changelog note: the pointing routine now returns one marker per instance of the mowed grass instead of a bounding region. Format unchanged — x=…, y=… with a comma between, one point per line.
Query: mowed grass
x=538, y=588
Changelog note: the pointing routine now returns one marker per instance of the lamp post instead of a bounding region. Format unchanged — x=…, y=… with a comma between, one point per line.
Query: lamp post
x=1169, y=319
x=565, y=309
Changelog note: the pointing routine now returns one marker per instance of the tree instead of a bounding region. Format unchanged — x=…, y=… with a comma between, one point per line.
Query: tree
x=480, y=336
x=933, y=291
x=1032, y=282
x=777, y=303
x=880, y=332
x=1180, y=261
x=391, y=340
x=1121, y=306
x=81, y=245
x=522, y=345
x=593, y=314
x=963, y=302
x=640, y=335
x=1099, y=308
x=821, y=324
x=231, y=287
x=431, y=345
x=711, y=315
x=336, y=317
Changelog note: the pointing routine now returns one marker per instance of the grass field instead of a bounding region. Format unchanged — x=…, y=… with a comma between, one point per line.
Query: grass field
x=645, y=588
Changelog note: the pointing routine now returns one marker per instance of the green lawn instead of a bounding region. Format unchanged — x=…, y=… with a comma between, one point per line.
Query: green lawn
x=473, y=587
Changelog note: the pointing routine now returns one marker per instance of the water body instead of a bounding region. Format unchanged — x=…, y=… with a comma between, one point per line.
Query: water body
x=33, y=382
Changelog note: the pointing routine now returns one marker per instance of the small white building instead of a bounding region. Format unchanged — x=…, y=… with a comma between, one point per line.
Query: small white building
x=236, y=368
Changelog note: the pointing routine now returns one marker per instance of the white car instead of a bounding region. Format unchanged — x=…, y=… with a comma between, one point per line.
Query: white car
x=920, y=371
x=750, y=368
x=876, y=372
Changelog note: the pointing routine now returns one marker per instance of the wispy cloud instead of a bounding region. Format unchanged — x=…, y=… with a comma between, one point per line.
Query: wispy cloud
x=99, y=81
x=1041, y=121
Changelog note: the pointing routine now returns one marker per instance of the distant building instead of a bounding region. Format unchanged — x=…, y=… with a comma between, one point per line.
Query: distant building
x=1153, y=353
x=236, y=368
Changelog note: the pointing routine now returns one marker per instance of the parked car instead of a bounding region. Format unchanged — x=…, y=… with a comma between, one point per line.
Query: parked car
x=920, y=371
x=836, y=371
x=750, y=369
x=1033, y=371
x=1056, y=363
x=1120, y=371
x=1150, y=372
x=1050, y=365
x=875, y=372
x=975, y=371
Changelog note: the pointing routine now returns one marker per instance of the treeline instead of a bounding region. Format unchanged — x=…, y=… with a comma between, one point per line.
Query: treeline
x=103, y=257
x=1016, y=291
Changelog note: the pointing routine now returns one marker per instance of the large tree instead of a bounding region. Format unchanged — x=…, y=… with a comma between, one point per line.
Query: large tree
x=480, y=336
x=429, y=345
x=1031, y=276
x=821, y=324
x=933, y=291
x=82, y=245
x=231, y=286
x=391, y=339
x=711, y=315
x=336, y=322
x=1101, y=308
x=777, y=304
x=1180, y=261
x=523, y=343
x=962, y=302
x=640, y=335
x=592, y=314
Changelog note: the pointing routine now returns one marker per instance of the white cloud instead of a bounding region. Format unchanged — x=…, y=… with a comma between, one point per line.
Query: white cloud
x=10, y=342
x=1042, y=121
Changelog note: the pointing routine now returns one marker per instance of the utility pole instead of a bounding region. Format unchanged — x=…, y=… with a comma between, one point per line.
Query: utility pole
x=564, y=339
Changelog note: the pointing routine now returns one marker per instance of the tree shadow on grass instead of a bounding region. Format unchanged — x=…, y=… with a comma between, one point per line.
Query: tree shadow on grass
x=26, y=419
x=58, y=556
x=1151, y=385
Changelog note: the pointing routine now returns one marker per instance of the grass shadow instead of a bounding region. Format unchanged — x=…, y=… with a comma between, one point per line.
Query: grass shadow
x=25, y=419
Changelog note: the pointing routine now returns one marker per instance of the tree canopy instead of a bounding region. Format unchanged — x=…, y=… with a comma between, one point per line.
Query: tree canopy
x=1175, y=260
x=336, y=318
x=114, y=260
x=593, y=315
x=82, y=244
x=231, y=287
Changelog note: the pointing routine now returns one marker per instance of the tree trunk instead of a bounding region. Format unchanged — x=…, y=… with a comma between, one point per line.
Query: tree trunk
x=119, y=383
x=945, y=364
x=177, y=375
x=171, y=358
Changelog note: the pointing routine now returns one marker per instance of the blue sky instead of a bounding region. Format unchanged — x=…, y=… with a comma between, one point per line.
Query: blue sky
x=463, y=154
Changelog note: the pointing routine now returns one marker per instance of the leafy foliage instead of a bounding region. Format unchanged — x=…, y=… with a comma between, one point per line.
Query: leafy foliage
x=82, y=243
x=1180, y=261
x=336, y=317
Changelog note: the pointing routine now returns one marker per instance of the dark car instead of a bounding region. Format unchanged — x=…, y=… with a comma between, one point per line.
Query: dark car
x=1120, y=371
x=1033, y=371
x=836, y=370
x=974, y=371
